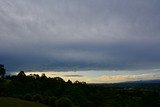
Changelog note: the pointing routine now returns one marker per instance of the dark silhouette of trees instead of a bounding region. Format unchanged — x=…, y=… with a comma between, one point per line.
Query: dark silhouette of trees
x=69, y=82
x=55, y=92
x=43, y=76
x=2, y=71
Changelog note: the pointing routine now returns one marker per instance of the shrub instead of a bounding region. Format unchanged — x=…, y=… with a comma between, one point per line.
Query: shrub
x=28, y=97
x=64, y=102
x=37, y=98
x=52, y=101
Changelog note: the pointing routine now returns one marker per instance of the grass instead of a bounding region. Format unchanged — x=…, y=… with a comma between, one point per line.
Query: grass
x=14, y=102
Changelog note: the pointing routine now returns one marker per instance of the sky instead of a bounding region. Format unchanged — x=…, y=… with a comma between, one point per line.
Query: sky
x=46, y=35
x=101, y=76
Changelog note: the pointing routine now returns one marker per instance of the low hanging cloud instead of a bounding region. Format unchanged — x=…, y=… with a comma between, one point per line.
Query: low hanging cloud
x=73, y=75
x=110, y=34
x=122, y=78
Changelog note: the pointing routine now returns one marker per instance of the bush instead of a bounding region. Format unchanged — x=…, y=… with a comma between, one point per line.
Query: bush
x=45, y=100
x=64, y=102
x=37, y=98
x=28, y=97
x=52, y=101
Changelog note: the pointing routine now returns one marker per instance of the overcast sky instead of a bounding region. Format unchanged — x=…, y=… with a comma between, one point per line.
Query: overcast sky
x=110, y=34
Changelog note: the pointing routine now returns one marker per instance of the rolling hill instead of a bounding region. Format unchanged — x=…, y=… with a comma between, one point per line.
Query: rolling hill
x=13, y=102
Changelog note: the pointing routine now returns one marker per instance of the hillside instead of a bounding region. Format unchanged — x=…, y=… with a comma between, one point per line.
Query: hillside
x=13, y=102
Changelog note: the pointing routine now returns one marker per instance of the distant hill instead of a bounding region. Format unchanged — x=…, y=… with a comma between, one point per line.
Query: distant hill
x=145, y=81
x=13, y=102
x=132, y=84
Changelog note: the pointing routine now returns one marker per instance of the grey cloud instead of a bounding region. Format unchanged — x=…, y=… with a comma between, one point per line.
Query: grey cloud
x=73, y=75
x=104, y=33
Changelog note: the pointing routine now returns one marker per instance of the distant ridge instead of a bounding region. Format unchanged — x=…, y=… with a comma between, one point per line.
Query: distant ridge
x=132, y=84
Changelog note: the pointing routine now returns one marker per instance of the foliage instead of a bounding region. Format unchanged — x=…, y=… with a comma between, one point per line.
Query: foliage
x=13, y=102
x=64, y=102
x=2, y=71
x=21, y=74
x=37, y=98
x=55, y=92
x=52, y=101
x=28, y=97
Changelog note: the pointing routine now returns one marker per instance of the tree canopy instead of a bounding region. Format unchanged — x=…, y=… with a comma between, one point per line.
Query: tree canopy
x=2, y=71
x=55, y=92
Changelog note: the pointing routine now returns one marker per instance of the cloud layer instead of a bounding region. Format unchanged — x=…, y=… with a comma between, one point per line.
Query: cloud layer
x=90, y=77
x=110, y=34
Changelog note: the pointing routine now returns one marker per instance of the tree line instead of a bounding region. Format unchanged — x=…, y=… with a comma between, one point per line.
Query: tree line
x=55, y=92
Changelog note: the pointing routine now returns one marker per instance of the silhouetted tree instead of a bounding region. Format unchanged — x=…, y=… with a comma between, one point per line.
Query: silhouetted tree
x=2, y=71
x=36, y=76
x=21, y=74
x=69, y=82
x=76, y=82
x=58, y=79
x=43, y=76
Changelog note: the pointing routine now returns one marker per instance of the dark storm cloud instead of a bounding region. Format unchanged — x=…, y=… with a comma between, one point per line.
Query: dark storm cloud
x=113, y=34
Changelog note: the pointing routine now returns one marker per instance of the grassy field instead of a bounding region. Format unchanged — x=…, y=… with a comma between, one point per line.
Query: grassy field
x=13, y=102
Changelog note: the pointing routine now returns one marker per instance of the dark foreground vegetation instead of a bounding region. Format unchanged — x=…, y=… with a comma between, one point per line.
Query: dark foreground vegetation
x=14, y=102
x=55, y=92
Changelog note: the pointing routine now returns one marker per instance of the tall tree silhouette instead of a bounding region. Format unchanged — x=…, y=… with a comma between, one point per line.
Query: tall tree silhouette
x=21, y=74
x=2, y=71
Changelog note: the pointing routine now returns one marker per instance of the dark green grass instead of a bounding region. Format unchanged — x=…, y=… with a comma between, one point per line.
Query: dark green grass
x=13, y=102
